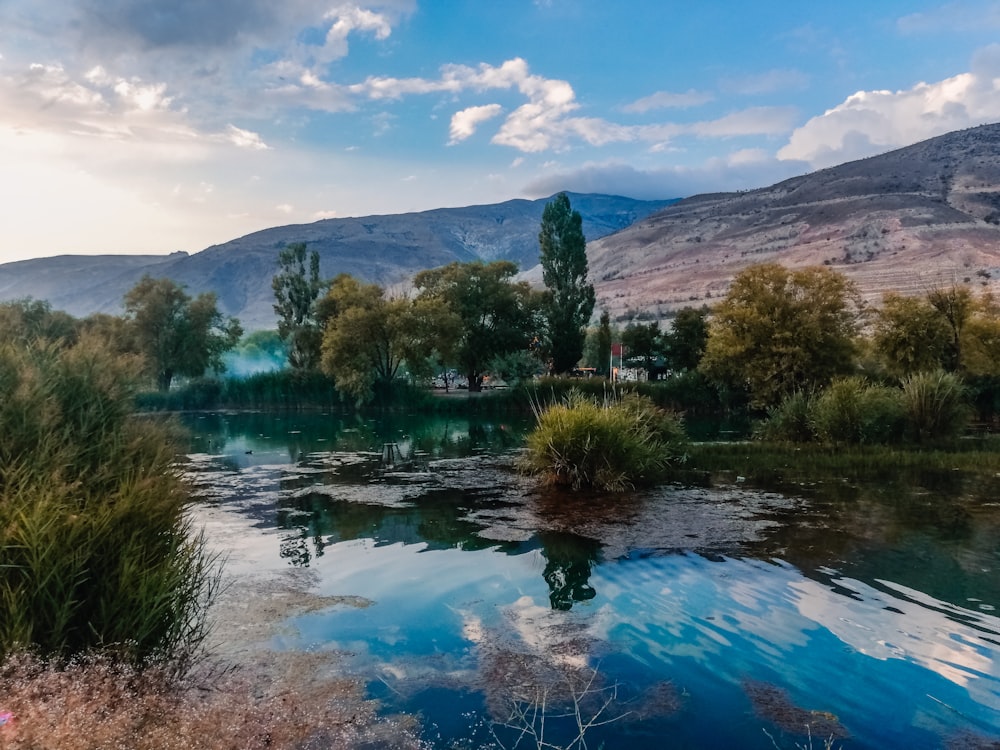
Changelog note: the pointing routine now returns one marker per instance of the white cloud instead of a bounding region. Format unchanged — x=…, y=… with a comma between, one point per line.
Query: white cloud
x=348, y=19
x=871, y=122
x=465, y=122
x=669, y=100
x=245, y=139
x=741, y=170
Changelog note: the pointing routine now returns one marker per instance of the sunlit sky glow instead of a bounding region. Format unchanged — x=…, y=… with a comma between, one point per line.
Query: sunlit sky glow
x=147, y=126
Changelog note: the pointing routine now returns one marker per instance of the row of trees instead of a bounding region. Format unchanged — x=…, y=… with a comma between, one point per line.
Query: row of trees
x=779, y=332
x=168, y=332
x=475, y=316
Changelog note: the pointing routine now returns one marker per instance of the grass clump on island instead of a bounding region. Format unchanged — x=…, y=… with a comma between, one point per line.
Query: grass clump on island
x=612, y=444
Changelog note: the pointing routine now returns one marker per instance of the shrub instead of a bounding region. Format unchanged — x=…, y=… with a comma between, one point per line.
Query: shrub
x=936, y=406
x=612, y=445
x=95, y=547
x=791, y=420
x=852, y=410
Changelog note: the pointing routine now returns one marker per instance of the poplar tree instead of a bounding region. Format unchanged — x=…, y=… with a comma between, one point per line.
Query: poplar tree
x=570, y=298
x=296, y=290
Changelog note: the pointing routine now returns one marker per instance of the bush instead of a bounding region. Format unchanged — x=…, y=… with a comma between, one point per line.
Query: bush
x=614, y=445
x=791, y=420
x=936, y=406
x=852, y=410
x=95, y=546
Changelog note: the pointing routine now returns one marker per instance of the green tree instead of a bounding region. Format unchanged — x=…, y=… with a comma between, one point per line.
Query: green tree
x=910, y=335
x=778, y=331
x=28, y=320
x=684, y=344
x=642, y=340
x=495, y=315
x=569, y=300
x=175, y=334
x=956, y=307
x=296, y=291
x=604, y=343
x=368, y=337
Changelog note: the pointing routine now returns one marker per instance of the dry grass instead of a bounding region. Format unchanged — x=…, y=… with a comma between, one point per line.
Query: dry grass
x=97, y=704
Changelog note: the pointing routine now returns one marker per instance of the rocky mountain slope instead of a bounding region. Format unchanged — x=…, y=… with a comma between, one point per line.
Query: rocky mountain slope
x=382, y=249
x=909, y=220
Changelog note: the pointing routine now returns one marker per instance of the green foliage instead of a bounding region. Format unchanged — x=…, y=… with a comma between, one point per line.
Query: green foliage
x=853, y=410
x=176, y=334
x=684, y=344
x=492, y=314
x=613, y=445
x=642, y=340
x=603, y=363
x=910, y=335
x=296, y=291
x=931, y=406
x=779, y=331
x=27, y=320
x=369, y=337
x=789, y=421
x=569, y=297
x=96, y=549
x=955, y=306
x=936, y=406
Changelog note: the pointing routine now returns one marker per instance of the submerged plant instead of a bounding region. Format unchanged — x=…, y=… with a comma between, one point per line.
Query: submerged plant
x=95, y=548
x=614, y=445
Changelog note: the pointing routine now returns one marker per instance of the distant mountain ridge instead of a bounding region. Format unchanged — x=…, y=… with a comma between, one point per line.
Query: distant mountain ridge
x=381, y=249
x=909, y=220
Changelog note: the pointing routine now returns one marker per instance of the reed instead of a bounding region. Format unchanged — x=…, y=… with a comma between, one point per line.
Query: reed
x=95, y=546
x=936, y=406
x=614, y=444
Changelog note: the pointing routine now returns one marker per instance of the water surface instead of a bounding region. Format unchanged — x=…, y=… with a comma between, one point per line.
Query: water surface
x=722, y=616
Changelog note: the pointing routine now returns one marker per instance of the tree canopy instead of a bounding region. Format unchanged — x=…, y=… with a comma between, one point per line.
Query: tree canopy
x=779, y=330
x=569, y=300
x=296, y=290
x=496, y=316
x=684, y=344
x=368, y=337
x=176, y=334
x=946, y=329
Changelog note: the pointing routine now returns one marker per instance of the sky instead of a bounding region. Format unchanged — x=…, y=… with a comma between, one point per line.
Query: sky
x=150, y=126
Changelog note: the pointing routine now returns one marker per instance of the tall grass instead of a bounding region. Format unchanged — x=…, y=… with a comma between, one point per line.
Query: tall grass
x=96, y=552
x=852, y=410
x=930, y=407
x=936, y=406
x=614, y=444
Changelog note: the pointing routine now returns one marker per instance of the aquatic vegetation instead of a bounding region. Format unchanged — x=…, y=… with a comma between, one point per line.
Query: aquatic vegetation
x=613, y=445
x=852, y=410
x=936, y=406
x=96, y=548
x=930, y=407
x=774, y=705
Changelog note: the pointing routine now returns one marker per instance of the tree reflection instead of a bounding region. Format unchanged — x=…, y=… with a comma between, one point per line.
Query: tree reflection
x=569, y=560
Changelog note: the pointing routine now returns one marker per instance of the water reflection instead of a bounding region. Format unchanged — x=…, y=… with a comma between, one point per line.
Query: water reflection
x=569, y=559
x=868, y=600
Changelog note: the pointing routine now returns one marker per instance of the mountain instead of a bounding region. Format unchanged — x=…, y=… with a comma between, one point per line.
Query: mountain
x=910, y=220
x=380, y=249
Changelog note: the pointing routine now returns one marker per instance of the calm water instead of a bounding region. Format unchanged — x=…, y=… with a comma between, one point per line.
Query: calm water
x=691, y=617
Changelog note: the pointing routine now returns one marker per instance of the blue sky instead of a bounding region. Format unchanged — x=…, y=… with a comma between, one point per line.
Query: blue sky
x=147, y=126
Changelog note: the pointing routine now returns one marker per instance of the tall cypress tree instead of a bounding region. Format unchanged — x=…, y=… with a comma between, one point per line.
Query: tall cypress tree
x=569, y=297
